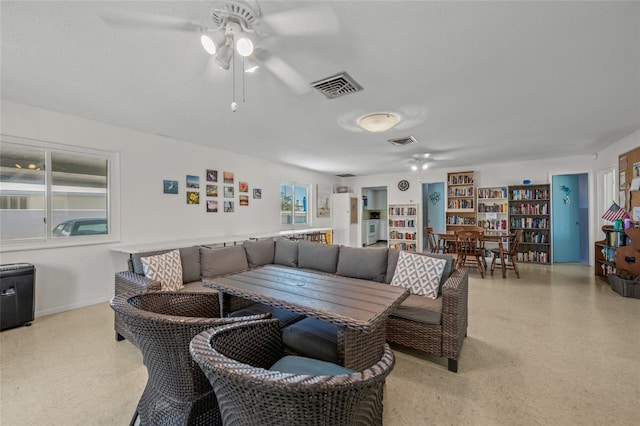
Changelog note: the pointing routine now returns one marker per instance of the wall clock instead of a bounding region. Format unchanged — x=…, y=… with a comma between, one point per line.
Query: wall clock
x=403, y=185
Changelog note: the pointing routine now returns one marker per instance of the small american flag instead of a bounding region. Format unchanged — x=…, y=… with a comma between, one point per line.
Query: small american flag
x=615, y=212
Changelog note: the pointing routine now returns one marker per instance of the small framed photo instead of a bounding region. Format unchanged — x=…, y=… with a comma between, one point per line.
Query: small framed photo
x=212, y=175
x=244, y=200
x=228, y=206
x=193, y=182
x=228, y=177
x=193, y=197
x=243, y=187
x=229, y=192
x=257, y=193
x=170, y=186
x=212, y=190
x=212, y=206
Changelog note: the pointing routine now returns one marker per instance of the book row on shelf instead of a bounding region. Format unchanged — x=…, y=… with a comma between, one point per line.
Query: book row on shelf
x=535, y=237
x=492, y=208
x=397, y=235
x=616, y=239
x=460, y=179
x=494, y=224
x=529, y=222
x=608, y=254
x=460, y=192
x=460, y=204
x=529, y=194
x=608, y=270
x=460, y=220
x=405, y=246
x=531, y=209
x=533, y=256
x=403, y=211
x=492, y=193
x=402, y=223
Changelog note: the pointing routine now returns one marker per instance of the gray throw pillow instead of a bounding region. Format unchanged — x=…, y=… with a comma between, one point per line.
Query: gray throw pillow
x=189, y=257
x=261, y=252
x=449, y=267
x=363, y=263
x=222, y=261
x=286, y=252
x=318, y=256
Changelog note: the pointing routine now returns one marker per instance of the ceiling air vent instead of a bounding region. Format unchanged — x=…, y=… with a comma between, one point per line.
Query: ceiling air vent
x=346, y=175
x=336, y=85
x=403, y=141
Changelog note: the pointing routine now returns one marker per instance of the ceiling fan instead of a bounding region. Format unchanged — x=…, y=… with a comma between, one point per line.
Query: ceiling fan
x=239, y=27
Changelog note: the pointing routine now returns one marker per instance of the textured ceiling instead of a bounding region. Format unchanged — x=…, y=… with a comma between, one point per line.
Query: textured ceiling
x=474, y=82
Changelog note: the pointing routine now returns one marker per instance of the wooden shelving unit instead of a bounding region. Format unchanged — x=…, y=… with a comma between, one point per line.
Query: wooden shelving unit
x=530, y=210
x=605, y=251
x=403, y=227
x=461, y=194
x=493, y=213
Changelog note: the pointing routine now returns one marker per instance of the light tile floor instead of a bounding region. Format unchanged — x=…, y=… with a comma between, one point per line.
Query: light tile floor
x=557, y=347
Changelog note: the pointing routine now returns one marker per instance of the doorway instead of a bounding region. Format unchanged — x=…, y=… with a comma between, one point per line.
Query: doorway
x=570, y=218
x=374, y=216
x=432, y=207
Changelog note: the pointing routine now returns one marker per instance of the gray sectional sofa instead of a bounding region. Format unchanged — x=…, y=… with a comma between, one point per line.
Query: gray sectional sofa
x=435, y=326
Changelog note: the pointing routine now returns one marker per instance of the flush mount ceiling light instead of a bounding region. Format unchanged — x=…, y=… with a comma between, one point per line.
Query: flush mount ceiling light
x=419, y=162
x=378, y=121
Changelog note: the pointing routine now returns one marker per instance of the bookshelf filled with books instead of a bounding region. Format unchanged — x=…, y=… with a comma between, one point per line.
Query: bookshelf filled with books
x=605, y=251
x=461, y=193
x=403, y=227
x=493, y=214
x=530, y=211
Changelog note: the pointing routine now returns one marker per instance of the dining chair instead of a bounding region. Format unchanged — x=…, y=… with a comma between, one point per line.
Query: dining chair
x=509, y=255
x=256, y=383
x=161, y=325
x=469, y=247
x=432, y=240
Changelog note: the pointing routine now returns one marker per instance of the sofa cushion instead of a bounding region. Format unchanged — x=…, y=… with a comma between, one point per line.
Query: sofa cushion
x=286, y=252
x=259, y=252
x=449, y=267
x=282, y=315
x=308, y=366
x=420, y=309
x=420, y=274
x=165, y=268
x=189, y=258
x=319, y=256
x=222, y=261
x=313, y=338
x=363, y=263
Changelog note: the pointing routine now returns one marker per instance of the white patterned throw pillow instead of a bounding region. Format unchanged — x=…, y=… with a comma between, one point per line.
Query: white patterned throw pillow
x=165, y=268
x=420, y=274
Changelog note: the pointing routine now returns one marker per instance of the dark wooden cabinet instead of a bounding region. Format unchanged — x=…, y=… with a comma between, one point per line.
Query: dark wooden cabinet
x=605, y=251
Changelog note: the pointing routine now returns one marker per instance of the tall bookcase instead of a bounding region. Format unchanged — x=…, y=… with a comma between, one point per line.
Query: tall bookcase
x=530, y=211
x=403, y=227
x=605, y=251
x=493, y=213
x=461, y=193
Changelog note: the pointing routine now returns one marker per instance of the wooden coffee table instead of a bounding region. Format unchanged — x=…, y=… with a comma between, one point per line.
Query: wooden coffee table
x=359, y=308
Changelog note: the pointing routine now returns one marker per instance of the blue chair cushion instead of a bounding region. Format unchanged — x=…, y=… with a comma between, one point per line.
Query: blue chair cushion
x=285, y=317
x=308, y=366
x=312, y=338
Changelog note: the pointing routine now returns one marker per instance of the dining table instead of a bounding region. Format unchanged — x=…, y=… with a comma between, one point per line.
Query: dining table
x=359, y=308
x=448, y=237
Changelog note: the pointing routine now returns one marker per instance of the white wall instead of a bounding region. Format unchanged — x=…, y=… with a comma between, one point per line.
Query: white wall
x=78, y=276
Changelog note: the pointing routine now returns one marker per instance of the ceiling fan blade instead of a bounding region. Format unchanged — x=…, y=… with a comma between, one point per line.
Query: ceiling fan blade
x=142, y=21
x=283, y=71
x=306, y=21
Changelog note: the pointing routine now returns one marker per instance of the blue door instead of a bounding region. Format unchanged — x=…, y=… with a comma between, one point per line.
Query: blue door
x=432, y=207
x=569, y=218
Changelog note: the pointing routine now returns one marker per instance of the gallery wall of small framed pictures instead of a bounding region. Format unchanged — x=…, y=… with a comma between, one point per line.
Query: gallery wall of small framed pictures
x=212, y=191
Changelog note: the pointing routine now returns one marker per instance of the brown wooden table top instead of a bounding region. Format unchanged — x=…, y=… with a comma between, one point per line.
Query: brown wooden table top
x=350, y=302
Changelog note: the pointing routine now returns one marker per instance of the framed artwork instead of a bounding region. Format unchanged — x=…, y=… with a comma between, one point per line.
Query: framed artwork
x=193, y=182
x=170, y=186
x=228, y=192
x=228, y=177
x=228, y=206
x=193, y=197
x=212, y=175
x=212, y=190
x=257, y=193
x=353, y=202
x=323, y=201
x=244, y=200
x=212, y=206
x=243, y=187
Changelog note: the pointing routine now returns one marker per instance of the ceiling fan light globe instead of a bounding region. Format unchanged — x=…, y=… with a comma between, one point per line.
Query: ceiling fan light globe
x=425, y=166
x=414, y=167
x=244, y=46
x=208, y=44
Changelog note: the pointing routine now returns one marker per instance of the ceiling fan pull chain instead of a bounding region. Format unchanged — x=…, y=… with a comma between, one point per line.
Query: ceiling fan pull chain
x=243, y=72
x=234, y=105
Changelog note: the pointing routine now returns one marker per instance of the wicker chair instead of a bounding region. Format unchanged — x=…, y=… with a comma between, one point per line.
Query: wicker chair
x=161, y=325
x=236, y=359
